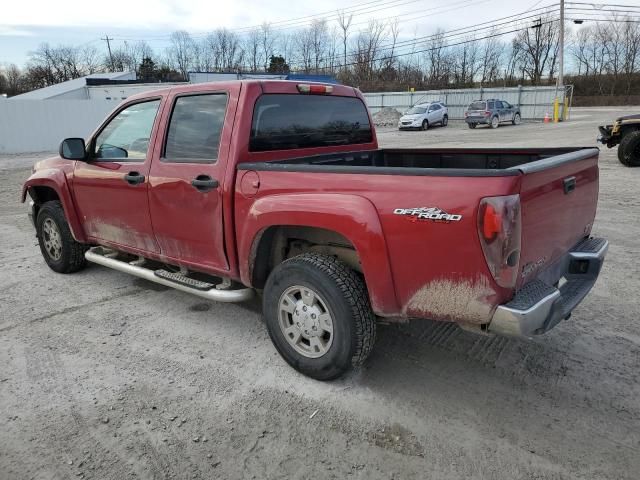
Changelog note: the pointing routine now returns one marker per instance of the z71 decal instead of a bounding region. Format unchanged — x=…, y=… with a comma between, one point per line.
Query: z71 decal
x=433, y=214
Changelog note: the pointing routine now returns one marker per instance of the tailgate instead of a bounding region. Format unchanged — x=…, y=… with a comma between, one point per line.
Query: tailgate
x=558, y=198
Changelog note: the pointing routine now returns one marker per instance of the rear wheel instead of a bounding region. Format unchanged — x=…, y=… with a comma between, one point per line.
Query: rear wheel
x=629, y=149
x=472, y=125
x=445, y=121
x=495, y=122
x=425, y=125
x=59, y=249
x=318, y=315
x=516, y=119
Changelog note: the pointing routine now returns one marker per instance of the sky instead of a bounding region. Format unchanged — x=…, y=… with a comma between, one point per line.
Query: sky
x=24, y=25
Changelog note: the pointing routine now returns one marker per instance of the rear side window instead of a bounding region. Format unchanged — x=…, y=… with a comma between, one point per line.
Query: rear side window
x=285, y=122
x=491, y=106
x=477, y=106
x=195, y=128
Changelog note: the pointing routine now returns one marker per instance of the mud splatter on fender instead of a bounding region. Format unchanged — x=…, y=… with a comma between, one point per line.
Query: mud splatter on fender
x=451, y=300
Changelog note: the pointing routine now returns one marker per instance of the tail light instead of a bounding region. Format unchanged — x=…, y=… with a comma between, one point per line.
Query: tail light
x=312, y=88
x=487, y=113
x=499, y=229
x=466, y=114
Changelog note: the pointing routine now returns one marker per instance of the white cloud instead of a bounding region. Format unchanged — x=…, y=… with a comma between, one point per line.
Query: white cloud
x=10, y=31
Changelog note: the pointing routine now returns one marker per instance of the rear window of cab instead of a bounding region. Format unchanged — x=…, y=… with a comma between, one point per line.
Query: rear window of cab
x=291, y=121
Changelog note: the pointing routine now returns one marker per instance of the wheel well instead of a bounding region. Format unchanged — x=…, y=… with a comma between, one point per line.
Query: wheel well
x=40, y=195
x=624, y=129
x=279, y=243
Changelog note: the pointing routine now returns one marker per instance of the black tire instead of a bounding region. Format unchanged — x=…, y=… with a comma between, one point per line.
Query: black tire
x=472, y=125
x=425, y=125
x=445, y=120
x=345, y=295
x=70, y=256
x=493, y=124
x=629, y=149
x=516, y=119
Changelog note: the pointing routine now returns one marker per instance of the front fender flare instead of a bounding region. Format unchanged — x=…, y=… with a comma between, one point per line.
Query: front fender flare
x=352, y=216
x=57, y=181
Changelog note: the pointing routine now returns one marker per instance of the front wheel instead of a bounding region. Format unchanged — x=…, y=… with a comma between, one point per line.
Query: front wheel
x=495, y=122
x=445, y=121
x=425, y=125
x=516, y=119
x=59, y=249
x=318, y=315
x=629, y=149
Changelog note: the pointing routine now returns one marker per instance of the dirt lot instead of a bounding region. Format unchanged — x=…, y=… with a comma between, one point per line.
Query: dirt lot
x=108, y=377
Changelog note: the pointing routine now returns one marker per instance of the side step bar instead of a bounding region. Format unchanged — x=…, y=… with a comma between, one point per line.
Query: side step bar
x=101, y=257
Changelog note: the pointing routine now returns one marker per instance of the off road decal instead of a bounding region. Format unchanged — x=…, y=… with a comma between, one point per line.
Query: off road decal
x=433, y=214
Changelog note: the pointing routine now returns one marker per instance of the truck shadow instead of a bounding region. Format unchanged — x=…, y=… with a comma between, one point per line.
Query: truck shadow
x=423, y=349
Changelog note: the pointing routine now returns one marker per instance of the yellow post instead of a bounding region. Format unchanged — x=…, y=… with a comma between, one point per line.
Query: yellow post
x=556, y=110
x=565, y=110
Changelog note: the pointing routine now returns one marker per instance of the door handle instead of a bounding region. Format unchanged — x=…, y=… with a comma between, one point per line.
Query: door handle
x=204, y=183
x=134, y=178
x=569, y=184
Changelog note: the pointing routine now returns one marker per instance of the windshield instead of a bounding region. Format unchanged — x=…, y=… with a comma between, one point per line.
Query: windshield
x=477, y=106
x=416, y=110
x=285, y=122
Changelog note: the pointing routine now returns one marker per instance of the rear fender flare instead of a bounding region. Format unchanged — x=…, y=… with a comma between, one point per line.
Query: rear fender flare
x=352, y=216
x=57, y=181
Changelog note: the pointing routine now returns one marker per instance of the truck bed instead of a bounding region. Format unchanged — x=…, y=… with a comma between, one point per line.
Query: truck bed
x=557, y=190
x=432, y=161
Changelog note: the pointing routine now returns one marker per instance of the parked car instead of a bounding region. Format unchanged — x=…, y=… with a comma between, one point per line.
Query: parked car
x=625, y=132
x=218, y=189
x=491, y=112
x=424, y=115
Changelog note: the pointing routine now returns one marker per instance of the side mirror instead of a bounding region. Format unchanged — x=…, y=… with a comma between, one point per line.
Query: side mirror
x=73, y=149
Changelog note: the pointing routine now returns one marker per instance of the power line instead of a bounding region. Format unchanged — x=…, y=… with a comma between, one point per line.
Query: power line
x=331, y=15
x=489, y=27
x=499, y=34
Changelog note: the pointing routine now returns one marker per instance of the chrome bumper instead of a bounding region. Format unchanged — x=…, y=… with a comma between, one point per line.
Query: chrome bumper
x=539, y=306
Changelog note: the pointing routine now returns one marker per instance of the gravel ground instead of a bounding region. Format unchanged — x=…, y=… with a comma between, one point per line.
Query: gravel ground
x=109, y=377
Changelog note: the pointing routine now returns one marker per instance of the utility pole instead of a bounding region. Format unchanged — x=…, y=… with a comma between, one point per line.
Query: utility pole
x=107, y=39
x=561, y=47
x=560, y=81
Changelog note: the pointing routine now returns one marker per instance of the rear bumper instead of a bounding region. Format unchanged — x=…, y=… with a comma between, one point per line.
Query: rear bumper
x=538, y=306
x=478, y=119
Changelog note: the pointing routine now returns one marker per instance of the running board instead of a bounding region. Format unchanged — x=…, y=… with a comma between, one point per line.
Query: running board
x=105, y=258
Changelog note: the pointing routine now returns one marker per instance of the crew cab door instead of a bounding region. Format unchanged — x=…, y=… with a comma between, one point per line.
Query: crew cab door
x=110, y=187
x=187, y=178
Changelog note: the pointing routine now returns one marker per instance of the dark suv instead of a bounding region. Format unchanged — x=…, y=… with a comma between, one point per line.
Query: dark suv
x=491, y=112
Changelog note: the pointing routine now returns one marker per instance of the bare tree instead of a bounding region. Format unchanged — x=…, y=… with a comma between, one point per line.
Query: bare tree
x=437, y=60
x=366, y=52
x=490, y=60
x=345, y=24
x=304, y=49
x=252, y=49
x=181, y=52
x=267, y=41
x=319, y=42
x=540, y=45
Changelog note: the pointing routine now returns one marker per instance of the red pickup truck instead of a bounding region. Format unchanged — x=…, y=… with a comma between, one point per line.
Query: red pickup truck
x=226, y=188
